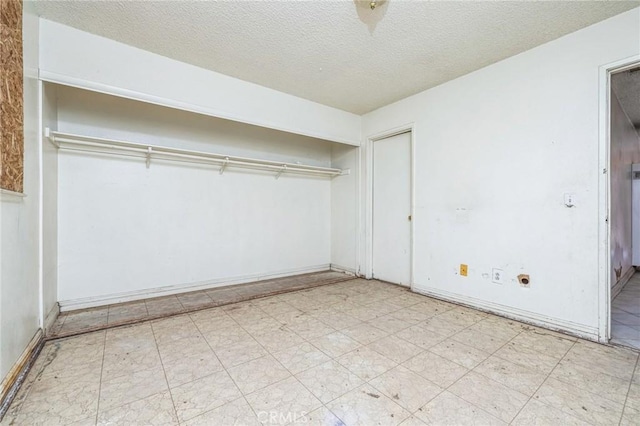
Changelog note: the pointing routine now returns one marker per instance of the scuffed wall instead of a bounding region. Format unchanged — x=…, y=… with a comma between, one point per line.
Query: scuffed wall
x=11, y=96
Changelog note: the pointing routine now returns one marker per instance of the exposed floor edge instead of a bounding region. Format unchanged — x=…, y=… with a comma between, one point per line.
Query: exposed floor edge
x=479, y=306
x=243, y=298
x=18, y=373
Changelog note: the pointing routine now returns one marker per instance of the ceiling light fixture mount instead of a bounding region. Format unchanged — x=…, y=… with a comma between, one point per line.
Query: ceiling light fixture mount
x=373, y=4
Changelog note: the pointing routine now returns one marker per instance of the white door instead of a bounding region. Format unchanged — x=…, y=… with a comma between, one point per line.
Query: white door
x=392, y=209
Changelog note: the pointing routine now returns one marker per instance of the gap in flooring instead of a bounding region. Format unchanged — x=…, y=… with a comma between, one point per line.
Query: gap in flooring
x=625, y=315
x=352, y=353
x=103, y=317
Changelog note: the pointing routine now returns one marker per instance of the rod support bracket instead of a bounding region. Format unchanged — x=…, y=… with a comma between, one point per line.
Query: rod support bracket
x=282, y=170
x=224, y=165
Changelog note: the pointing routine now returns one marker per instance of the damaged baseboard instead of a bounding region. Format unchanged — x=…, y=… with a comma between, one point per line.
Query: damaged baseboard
x=18, y=373
x=51, y=318
x=617, y=288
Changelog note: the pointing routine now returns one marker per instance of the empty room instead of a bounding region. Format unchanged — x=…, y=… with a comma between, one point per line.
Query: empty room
x=333, y=212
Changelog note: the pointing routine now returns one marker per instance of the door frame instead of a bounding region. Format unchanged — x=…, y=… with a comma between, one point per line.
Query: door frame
x=367, y=260
x=604, y=186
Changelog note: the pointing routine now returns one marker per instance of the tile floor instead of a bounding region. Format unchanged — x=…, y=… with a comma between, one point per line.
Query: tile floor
x=625, y=314
x=353, y=353
x=76, y=322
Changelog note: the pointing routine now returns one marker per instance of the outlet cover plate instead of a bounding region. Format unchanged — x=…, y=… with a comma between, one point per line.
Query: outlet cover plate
x=497, y=276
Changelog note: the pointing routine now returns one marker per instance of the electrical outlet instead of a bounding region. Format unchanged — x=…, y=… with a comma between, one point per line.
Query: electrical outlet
x=497, y=276
x=463, y=269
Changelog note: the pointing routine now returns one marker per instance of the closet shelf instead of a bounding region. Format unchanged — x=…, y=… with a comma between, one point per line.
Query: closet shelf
x=72, y=142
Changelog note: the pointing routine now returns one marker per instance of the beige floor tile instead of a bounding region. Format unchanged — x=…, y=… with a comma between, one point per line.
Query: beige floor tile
x=500, y=329
x=390, y=324
x=199, y=396
x=592, y=381
x=233, y=355
x=442, y=326
x=301, y=357
x=183, y=348
x=191, y=368
x=127, y=312
x=633, y=398
x=494, y=398
x=228, y=336
x=461, y=317
x=406, y=388
x=413, y=421
x=546, y=343
x=364, y=333
x=310, y=329
x=539, y=414
x=395, y=348
x=235, y=413
x=584, y=405
x=319, y=417
x=153, y=410
x=459, y=353
x=366, y=363
x=448, y=409
x=283, y=402
x=60, y=400
x=420, y=336
x=480, y=341
x=527, y=357
x=618, y=362
x=336, y=319
x=125, y=363
x=630, y=417
x=121, y=390
x=430, y=307
x=522, y=379
x=278, y=339
x=436, y=369
x=335, y=344
x=367, y=406
x=258, y=373
x=329, y=380
x=410, y=315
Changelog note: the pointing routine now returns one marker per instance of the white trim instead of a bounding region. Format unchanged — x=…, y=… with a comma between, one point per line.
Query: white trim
x=41, y=312
x=604, y=202
x=343, y=269
x=8, y=195
x=92, y=302
x=17, y=373
x=579, y=330
x=93, y=86
x=367, y=262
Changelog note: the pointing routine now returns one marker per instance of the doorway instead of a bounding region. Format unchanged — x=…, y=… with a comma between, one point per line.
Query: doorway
x=624, y=204
x=391, y=208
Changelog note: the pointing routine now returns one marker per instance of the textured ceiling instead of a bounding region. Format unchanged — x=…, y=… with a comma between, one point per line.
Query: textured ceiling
x=626, y=85
x=338, y=53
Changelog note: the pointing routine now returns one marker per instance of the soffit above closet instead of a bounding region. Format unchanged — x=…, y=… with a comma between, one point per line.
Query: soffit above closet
x=338, y=53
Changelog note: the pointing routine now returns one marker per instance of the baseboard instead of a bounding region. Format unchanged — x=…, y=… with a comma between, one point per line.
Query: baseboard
x=18, y=373
x=51, y=317
x=568, y=327
x=617, y=288
x=92, y=302
x=343, y=269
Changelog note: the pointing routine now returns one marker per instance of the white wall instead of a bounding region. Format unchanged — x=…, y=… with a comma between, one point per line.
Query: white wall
x=123, y=228
x=505, y=143
x=344, y=209
x=625, y=151
x=77, y=58
x=19, y=286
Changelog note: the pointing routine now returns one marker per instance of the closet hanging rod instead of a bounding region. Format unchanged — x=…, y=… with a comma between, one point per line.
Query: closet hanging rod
x=69, y=141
